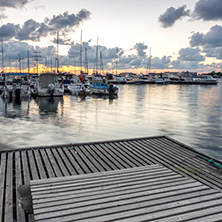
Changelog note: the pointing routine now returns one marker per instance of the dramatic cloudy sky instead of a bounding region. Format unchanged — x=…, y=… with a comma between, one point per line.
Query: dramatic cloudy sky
x=181, y=35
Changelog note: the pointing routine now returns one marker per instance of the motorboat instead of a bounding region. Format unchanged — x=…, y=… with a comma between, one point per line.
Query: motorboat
x=67, y=79
x=103, y=88
x=118, y=79
x=48, y=85
x=162, y=80
x=78, y=88
x=205, y=79
x=136, y=81
x=17, y=85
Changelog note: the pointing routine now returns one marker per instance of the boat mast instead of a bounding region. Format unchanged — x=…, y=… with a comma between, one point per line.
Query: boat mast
x=28, y=61
x=86, y=61
x=2, y=55
x=80, y=53
x=97, y=51
x=19, y=60
x=150, y=60
x=101, y=63
x=9, y=60
x=37, y=59
x=57, y=53
x=116, y=58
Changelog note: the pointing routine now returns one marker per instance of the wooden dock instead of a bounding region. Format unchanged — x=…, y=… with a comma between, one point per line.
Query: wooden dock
x=19, y=167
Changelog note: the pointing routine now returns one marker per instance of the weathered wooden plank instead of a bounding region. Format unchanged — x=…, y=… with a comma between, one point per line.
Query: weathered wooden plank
x=202, y=169
x=95, y=155
x=140, y=156
x=113, y=191
x=144, y=210
x=190, y=216
x=40, y=164
x=154, y=156
x=121, y=151
x=139, y=192
x=54, y=165
x=2, y=183
x=98, y=175
x=92, y=160
x=148, y=214
x=66, y=161
x=101, y=151
x=116, y=159
x=77, y=157
x=33, y=170
x=46, y=161
x=186, y=164
x=191, y=157
x=9, y=189
x=204, y=165
x=25, y=167
x=62, y=166
x=73, y=186
x=81, y=153
x=156, y=196
x=212, y=217
x=131, y=155
x=118, y=155
x=114, y=194
x=74, y=163
x=18, y=170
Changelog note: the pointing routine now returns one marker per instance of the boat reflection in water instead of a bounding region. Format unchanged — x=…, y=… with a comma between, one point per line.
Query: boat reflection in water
x=49, y=104
x=16, y=108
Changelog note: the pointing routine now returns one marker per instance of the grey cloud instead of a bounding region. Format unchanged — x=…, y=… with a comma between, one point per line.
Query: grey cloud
x=136, y=62
x=27, y=31
x=13, y=48
x=190, y=54
x=210, y=39
x=186, y=65
x=108, y=54
x=46, y=52
x=12, y=3
x=162, y=63
x=172, y=15
x=74, y=51
x=213, y=52
x=32, y=30
x=111, y=53
x=9, y=30
x=208, y=10
x=140, y=48
x=63, y=41
x=43, y=30
x=68, y=21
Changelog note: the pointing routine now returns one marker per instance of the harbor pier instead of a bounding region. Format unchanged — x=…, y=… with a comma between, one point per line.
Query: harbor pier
x=152, y=178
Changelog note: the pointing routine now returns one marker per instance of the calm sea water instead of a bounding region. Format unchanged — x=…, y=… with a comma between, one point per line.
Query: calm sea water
x=191, y=114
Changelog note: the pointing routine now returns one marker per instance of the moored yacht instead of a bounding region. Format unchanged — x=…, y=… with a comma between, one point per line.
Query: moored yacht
x=17, y=85
x=48, y=85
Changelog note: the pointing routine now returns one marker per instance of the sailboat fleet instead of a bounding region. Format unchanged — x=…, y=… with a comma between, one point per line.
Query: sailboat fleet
x=54, y=84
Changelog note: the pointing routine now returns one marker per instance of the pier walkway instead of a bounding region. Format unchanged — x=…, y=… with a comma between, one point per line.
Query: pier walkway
x=19, y=167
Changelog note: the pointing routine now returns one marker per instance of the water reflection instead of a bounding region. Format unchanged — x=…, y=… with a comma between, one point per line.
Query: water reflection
x=48, y=104
x=190, y=113
x=16, y=108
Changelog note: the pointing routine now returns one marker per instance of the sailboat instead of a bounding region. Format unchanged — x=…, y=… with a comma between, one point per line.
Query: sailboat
x=17, y=85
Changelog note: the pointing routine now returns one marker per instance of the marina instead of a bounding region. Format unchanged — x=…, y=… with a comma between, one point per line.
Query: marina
x=188, y=113
x=191, y=169
x=109, y=118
